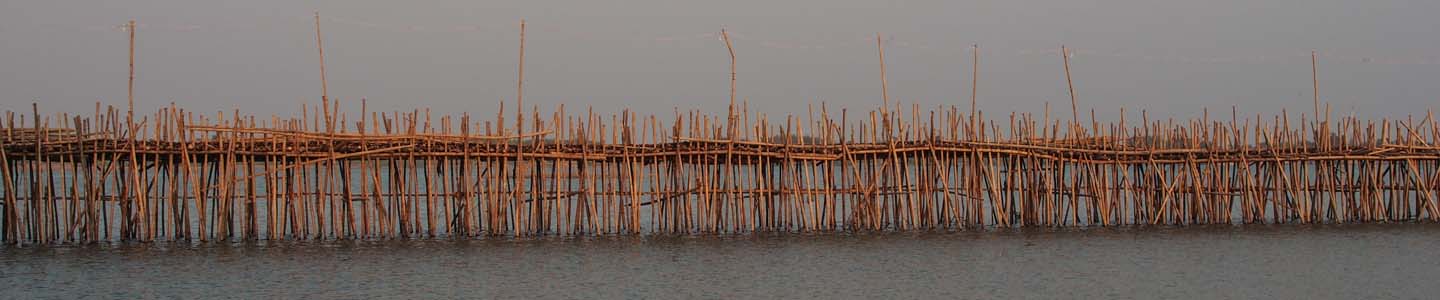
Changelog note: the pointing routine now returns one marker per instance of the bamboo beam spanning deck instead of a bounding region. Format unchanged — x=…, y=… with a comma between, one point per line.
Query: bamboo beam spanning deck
x=176, y=175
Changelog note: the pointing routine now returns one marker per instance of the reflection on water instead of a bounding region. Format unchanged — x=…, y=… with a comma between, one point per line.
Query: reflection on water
x=1290, y=262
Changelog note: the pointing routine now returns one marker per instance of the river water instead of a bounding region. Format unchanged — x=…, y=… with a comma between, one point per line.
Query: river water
x=1279, y=261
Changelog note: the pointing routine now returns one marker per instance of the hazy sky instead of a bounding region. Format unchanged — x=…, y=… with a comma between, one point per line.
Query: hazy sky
x=1377, y=58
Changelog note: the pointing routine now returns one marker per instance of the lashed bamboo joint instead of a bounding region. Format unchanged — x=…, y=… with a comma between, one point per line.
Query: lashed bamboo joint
x=176, y=175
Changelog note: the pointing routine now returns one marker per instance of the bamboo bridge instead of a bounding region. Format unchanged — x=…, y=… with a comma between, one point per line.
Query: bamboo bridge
x=178, y=175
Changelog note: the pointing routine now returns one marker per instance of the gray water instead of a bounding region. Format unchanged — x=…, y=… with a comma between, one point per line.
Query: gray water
x=1281, y=261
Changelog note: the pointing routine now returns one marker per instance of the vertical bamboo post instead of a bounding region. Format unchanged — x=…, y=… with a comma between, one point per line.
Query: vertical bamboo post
x=974, y=80
x=130, y=94
x=1315, y=84
x=1074, y=108
x=324, y=86
x=519, y=124
x=729, y=175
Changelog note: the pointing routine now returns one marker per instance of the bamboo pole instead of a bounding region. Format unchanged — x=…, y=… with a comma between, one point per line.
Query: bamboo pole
x=324, y=86
x=1070, y=84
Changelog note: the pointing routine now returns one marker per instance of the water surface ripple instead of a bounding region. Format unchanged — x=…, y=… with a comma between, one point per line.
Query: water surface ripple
x=1280, y=261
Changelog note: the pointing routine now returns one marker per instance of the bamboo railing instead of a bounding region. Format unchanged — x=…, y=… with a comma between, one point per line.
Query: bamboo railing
x=178, y=175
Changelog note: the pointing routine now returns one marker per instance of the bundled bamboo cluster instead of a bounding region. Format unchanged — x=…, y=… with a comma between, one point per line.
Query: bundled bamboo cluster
x=176, y=175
